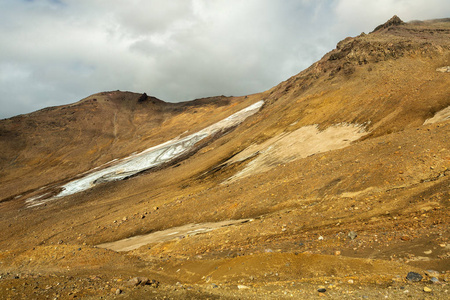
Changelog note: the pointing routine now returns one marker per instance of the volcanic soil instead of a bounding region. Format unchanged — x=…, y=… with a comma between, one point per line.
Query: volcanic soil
x=338, y=187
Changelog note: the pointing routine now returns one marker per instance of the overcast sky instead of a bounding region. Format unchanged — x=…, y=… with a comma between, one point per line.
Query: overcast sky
x=55, y=52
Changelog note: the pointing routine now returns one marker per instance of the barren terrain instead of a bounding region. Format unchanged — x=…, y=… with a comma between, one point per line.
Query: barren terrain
x=337, y=186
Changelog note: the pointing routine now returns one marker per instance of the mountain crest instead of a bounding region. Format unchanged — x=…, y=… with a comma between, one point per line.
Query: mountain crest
x=242, y=193
x=394, y=21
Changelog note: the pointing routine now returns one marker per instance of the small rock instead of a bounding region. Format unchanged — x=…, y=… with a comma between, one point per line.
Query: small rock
x=320, y=238
x=133, y=282
x=242, y=287
x=428, y=252
x=414, y=277
x=138, y=281
x=445, y=69
x=405, y=238
x=432, y=273
x=352, y=235
x=155, y=208
x=124, y=218
x=350, y=281
x=427, y=289
x=322, y=290
x=434, y=280
x=154, y=283
x=337, y=252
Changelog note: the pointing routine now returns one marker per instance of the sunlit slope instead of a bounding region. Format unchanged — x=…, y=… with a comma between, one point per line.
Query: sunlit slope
x=340, y=177
x=58, y=143
x=381, y=87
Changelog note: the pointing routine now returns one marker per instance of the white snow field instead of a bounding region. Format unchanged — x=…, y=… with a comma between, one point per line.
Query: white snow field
x=148, y=158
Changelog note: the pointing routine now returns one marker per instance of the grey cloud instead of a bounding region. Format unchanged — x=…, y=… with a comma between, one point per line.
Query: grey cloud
x=57, y=52
x=356, y=16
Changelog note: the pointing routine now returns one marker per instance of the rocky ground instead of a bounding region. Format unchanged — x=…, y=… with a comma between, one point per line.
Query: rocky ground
x=340, y=182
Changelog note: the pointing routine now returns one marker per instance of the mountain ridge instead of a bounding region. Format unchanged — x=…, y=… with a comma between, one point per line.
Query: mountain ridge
x=346, y=180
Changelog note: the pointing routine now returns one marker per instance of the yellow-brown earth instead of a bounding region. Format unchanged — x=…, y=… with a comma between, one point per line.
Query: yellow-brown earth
x=341, y=149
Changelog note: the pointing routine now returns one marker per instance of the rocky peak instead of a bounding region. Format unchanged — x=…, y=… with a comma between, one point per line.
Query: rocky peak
x=394, y=21
x=143, y=97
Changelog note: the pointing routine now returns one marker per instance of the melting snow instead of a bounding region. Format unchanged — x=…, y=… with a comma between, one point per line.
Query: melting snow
x=149, y=158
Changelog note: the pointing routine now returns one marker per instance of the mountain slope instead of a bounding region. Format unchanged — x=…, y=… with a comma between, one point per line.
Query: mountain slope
x=341, y=147
x=60, y=142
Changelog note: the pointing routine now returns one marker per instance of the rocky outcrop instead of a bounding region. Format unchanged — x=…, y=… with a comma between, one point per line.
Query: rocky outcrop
x=143, y=97
x=141, y=281
x=394, y=21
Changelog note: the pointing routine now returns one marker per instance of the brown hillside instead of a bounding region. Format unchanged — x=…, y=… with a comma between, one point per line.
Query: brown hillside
x=339, y=182
x=58, y=143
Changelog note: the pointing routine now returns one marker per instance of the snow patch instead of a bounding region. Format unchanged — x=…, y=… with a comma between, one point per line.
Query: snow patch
x=149, y=158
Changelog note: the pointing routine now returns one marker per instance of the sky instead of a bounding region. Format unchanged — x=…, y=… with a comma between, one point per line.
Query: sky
x=55, y=52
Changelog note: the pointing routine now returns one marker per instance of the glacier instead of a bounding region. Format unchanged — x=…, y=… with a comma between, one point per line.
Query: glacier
x=149, y=158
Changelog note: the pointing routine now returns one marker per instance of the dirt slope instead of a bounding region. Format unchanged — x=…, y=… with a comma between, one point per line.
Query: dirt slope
x=60, y=142
x=345, y=182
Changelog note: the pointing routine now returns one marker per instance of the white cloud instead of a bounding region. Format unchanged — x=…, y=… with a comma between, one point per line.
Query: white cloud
x=55, y=51
x=358, y=16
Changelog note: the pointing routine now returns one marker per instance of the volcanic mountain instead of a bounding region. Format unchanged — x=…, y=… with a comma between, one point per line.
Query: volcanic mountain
x=335, y=180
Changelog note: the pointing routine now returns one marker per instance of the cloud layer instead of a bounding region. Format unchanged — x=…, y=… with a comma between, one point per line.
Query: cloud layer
x=59, y=51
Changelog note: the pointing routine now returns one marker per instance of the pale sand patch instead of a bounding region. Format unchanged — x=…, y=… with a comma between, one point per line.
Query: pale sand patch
x=357, y=193
x=440, y=116
x=291, y=146
x=135, y=242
